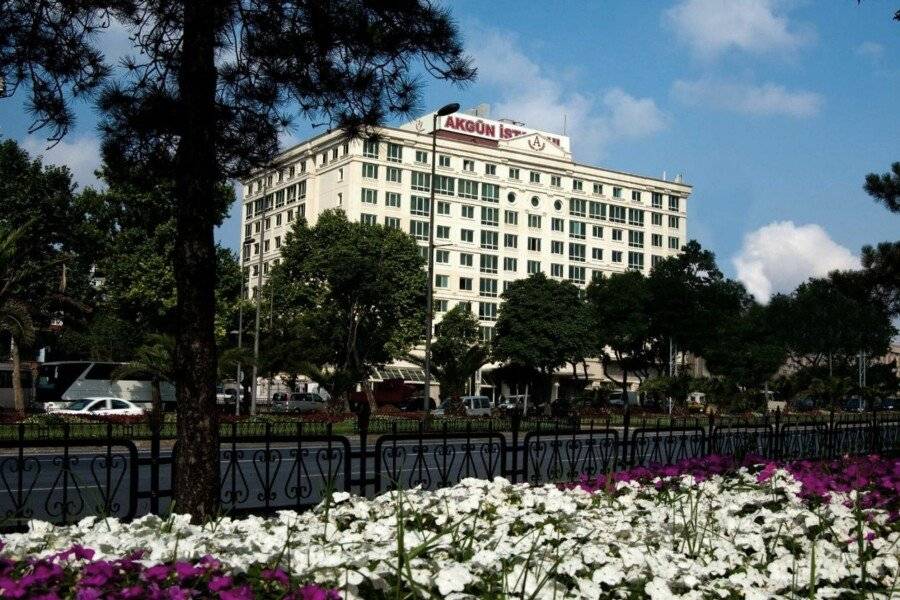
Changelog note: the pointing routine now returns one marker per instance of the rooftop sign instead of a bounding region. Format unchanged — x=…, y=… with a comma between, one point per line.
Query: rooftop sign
x=484, y=128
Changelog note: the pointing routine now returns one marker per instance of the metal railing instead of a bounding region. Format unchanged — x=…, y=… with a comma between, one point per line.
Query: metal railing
x=76, y=472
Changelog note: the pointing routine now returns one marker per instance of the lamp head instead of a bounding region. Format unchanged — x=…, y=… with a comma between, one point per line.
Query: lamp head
x=449, y=109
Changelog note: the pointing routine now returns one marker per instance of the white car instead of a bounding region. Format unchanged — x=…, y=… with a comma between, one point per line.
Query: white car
x=476, y=406
x=99, y=406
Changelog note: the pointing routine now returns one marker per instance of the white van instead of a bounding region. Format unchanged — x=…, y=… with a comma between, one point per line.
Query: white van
x=476, y=406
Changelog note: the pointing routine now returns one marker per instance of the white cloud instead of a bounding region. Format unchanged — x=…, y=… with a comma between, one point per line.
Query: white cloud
x=870, y=50
x=81, y=154
x=761, y=100
x=528, y=94
x=713, y=27
x=781, y=255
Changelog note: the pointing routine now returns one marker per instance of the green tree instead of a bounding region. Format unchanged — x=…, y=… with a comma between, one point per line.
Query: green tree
x=352, y=294
x=543, y=325
x=619, y=306
x=885, y=188
x=457, y=353
x=210, y=90
x=156, y=359
x=881, y=269
x=15, y=318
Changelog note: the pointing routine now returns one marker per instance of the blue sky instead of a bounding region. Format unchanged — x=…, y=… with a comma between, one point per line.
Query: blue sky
x=773, y=109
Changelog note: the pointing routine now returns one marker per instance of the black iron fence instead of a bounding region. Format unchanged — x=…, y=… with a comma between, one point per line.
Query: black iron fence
x=78, y=472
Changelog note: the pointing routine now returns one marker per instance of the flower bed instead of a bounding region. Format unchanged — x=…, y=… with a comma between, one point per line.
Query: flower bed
x=737, y=532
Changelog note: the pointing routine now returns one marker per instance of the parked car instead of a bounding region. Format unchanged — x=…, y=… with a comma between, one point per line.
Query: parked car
x=476, y=406
x=301, y=402
x=99, y=406
x=855, y=405
x=889, y=404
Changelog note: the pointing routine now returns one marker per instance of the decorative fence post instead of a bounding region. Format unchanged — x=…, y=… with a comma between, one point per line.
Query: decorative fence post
x=515, y=422
x=626, y=420
x=362, y=426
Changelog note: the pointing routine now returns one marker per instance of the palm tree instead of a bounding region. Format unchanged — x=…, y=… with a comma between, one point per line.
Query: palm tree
x=15, y=316
x=156, y=358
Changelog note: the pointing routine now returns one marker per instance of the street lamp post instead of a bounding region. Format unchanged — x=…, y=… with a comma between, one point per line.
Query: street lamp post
x=240, y=333
x=257, y=297
x=449, y=109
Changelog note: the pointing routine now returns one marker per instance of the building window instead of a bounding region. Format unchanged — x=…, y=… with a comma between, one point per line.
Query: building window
x=535, y=201
x=597, y=231
x=555, y=181
x=556, y=270
x=279, y=198
x=598, y=189
x=468, y=212
x=442, y=281
x=442, y=257
x=597, y=210
x=513, y=173
x=577, y=230
x=673, y=243
x=534, y=177
x=487, y=311
x=468, y=189
x=369, y=196
x=465, y=259
x=443, y=185
x=290, y=216
x=655, y=260
x=247, y=230
x=370, y=148
x=674, y=203
x=418, y=229
x=393, y=174
x=510, y=217
x=440, y=306
x=577, y=252
x=597, y=253
x=490, y=240
x=278, y=241
x=577, y=185
x=617, y=214
x=635, y=195
x=419, y=205
x=656, y=240
x=656, y=200
x=469, y=165
x=617, y=235
x=421, y=181
x=444, y=161
x=366, y=219
x=465, y=284
x=370, y=170
x=490, y=169
x=488, y=263
x=635, y=239
x=392, y=199
x=557, y=224
x=301, y=190
x=617, y=192
x=533, y=266
x=443, y=207
x=576, y=274
x=636, y=261
x=392, y=222
x=673, y=221
x=656, y=219
x=421, y=157
x=510, y=264
x=490, y=216
x=616, y=256
x=394, y=152
x=577, y=207
x=487, y=287
x=442, y=232
x=510, y=240
x=490, y=192
x=467, y=235
x=636, y=217
x=534, y=244
x=534, y=221
x=487, y=333
x=556, y=247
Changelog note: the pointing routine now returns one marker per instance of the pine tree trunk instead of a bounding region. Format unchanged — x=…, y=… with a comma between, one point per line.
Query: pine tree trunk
x=196, y=486
x=18, y=394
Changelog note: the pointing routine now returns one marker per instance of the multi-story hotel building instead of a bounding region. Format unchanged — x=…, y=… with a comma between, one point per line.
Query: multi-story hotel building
x=510, y=201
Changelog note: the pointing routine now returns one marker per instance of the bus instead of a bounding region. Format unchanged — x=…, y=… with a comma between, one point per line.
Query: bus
x=59, y=383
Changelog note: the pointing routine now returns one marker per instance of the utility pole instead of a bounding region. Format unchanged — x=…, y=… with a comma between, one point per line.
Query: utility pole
x=258, y=294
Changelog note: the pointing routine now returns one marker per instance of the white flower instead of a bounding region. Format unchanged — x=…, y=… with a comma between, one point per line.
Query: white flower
x=452, y=579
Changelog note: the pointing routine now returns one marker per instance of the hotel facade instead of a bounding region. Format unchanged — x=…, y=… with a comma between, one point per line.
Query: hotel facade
x=509, y=201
